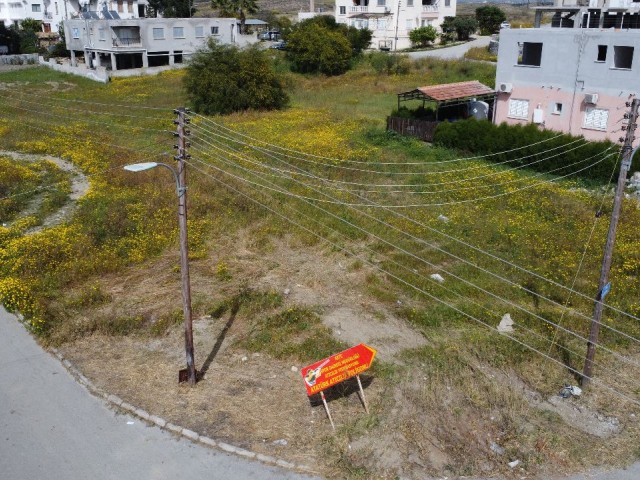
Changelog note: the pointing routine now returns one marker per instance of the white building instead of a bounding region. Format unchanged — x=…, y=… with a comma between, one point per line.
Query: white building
x=391, y=20
x=52, y=12
x=146, y=42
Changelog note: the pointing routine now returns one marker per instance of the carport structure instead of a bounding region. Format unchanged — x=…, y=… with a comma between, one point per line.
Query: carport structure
x=449, y=94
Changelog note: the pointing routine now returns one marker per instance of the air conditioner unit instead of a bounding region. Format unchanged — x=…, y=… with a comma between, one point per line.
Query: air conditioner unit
x=505, y=87
x=591, y=98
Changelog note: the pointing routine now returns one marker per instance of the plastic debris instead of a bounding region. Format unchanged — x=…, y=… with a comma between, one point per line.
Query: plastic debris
x=442, y=218
x=496, y=448
x=570, y=390
x=514, y=464
x=282, y=442
x=506, y=324
x=437, y=277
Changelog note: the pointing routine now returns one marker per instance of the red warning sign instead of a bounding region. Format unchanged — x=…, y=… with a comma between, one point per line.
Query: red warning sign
x=328, y=372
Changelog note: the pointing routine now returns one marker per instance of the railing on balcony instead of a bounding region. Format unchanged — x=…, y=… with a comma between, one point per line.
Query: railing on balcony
x=429, y=8
x=354, y=10
x=127, y=42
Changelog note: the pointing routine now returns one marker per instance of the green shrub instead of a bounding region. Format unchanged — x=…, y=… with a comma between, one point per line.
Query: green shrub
x=423, y=36
x=480, y=137
x=225, y=79
x=385, y=63
x=489, y=19
x=313, y=48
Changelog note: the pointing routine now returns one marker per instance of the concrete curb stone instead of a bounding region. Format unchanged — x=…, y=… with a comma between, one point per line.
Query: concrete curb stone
x=178, y=430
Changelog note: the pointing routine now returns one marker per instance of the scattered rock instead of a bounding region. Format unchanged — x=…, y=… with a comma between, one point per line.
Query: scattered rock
x=287, y=291
x=245, y=358
x=294, y=369
x=442, y=218
x=506, y=324
x=437, y=277
x=282, y=442
x=514, y=464
x=496, y=448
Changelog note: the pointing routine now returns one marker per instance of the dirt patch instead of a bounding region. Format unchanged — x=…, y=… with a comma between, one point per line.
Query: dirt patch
x=458, y=419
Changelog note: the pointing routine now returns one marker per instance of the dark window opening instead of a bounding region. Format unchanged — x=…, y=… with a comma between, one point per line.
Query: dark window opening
x=530, y=54
x=158, y=59
x=622, y=57
x=177, y=57
x=602, y=53
x=124, y=62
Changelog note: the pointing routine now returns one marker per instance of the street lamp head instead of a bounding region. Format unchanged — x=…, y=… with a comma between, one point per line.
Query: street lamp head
x=139, y=167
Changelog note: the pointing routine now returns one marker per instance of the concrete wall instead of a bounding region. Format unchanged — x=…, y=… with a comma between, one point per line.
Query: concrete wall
x=22, y=59
x=99, y=74
x=568, y=73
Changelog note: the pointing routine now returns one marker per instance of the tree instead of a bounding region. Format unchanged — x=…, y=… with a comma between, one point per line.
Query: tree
x=10, y=37
x=359, y=38
x=313, y=48
x=489, y=19
x=464, y=27
x=236, y=8
x=423, y=36
x=28, y=37
x=224, y=79
x=172, y=8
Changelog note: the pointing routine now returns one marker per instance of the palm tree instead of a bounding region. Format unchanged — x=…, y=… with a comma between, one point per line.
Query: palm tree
x=236, y=8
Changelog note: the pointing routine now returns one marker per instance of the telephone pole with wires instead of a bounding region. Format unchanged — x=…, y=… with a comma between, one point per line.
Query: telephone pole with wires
x=181, y=133
x=604, y=286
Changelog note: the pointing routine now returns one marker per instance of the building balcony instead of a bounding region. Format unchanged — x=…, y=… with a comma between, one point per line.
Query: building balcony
x=368, y=9
x=429, y=11
x=127, y=42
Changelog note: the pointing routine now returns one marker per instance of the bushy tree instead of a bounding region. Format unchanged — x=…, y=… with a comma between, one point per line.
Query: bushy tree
x=314, y=48
x=28, y=37
x=359, y=38
x=489, y=19
x=391, y=64
x=236, y=8
x=224, y=79
x=172, y=8
x=423, y=36
x=464, y=27
x=10, y=37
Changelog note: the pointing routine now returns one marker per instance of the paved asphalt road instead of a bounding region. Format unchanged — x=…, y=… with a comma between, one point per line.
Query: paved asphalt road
x=456, y=51
x=51, y=428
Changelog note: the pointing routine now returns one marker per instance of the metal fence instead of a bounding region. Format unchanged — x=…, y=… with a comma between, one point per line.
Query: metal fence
x=422, y=129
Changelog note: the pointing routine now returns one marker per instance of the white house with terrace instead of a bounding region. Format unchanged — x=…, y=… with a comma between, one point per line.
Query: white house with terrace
x=52, y=12
x=390, y=21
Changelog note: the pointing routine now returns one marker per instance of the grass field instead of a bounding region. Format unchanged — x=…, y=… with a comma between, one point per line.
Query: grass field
x=320, y=200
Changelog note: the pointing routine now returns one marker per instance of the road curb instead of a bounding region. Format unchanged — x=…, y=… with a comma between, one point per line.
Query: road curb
x=117, y=402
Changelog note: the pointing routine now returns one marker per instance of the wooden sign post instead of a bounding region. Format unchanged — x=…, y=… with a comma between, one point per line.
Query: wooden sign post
x=339, y=367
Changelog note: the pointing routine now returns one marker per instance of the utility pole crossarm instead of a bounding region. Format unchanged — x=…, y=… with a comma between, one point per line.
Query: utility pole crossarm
x=627, y=155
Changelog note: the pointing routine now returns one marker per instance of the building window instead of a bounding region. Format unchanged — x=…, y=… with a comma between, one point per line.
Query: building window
x=447, y=3
x=158, y=33
x=35, y=7
x=56, y=5
x=382, y=3
x=557, y=108
x=518, y=108
x=101, y=34
x=409, y=3
x=530, y=54
x=596, y=118
x=602, y=53
x=409, y=23
x=343, y=10
x=622, y=57
x=178, y=32
x=214, y=31
x=75, y=32
x=382, y=24
x=199, y=31
x=120, y=6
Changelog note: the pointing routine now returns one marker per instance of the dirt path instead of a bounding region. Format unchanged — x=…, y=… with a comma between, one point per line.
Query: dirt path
x=79, y=188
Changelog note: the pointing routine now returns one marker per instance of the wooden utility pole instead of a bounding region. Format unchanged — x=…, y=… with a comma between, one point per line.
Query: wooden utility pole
x=182, y=155
x=603, y=287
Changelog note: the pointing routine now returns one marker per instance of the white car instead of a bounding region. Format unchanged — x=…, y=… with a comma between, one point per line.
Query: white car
x=505, y=25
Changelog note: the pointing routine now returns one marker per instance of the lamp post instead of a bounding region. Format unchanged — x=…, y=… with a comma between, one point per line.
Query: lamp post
x=181, y=190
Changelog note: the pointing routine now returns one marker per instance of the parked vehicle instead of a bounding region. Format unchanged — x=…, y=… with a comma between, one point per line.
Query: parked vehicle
x=281, y=45
x=271, y=35
x=505, y=25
